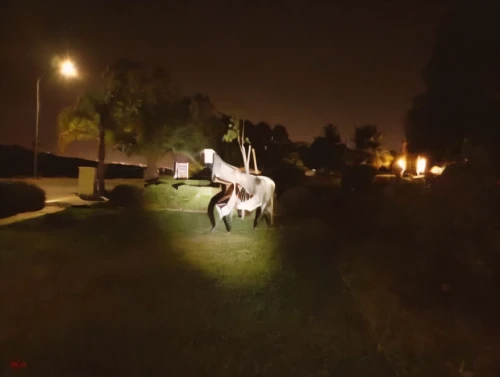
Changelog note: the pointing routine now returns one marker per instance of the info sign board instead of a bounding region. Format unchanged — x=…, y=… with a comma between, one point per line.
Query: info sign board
x=181, y=170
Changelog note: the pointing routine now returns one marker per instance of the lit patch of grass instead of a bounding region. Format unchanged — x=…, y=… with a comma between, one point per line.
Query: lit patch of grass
x=244, y=258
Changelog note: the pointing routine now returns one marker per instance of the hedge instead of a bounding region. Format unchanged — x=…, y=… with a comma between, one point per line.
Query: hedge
x=167, y=193
x=180, y=195
x=127, y=196
x=18, y=197
x=358, y=177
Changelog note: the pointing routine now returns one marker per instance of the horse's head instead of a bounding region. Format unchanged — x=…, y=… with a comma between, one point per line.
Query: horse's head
x=207, y=157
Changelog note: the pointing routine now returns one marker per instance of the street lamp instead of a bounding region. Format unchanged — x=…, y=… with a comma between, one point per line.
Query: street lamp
x=66, y=69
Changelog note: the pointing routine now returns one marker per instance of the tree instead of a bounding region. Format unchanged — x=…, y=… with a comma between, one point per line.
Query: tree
x=262, y=143
x=208, y=120
x=168, y=122
x=160, y=112
x=88, y=119
x=326, y=151
x=318, y=153
x=265, y=133
x=367, y=138
x=280, y=135
x=105, y=115
x=462, y=85
x=236, y=131
x=78, y=122
x=332, y=134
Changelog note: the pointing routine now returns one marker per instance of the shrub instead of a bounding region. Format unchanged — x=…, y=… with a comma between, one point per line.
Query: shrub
x=467, y=196
x=19, y=197
x=295, y=201
x=127, y=196
x=285, y=176
x=358, y=177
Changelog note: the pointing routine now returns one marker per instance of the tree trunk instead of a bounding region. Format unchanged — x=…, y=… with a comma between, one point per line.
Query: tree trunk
x=152, y=173
x=101, y=165
x=174, y=162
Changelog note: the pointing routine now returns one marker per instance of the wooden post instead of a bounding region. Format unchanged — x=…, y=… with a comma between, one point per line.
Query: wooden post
x=254, y=161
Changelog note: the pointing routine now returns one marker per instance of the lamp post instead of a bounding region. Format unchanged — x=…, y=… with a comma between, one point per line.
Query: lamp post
x=66, y=69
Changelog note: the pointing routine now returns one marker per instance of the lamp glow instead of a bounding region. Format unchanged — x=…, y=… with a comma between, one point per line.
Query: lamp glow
x=68, y=69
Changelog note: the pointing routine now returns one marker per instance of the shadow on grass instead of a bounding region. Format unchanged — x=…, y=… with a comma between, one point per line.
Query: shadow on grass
x=102, y=292
x=177, y=185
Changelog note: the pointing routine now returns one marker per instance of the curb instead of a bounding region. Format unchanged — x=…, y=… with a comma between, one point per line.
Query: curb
x=48, y=209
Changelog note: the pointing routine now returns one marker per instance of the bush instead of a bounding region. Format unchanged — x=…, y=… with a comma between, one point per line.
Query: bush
x=285, y=176
x=358, y=177
x=468, y=197
x=19, y=197
x=127, y=196
x=295, y=201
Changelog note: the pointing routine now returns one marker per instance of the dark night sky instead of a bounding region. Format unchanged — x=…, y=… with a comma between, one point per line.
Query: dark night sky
x=292, y=63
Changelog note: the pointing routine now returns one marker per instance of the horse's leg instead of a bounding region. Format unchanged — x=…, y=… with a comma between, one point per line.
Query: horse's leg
x=269, y=215
x=211, y=206
x=258, y=213
x=227, y=222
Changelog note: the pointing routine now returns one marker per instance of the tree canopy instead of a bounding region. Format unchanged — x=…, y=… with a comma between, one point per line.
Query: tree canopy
x=462, y=85
x=367, y=137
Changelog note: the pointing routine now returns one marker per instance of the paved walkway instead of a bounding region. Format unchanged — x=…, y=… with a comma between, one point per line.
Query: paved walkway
x=60, y=188
x=60, y=194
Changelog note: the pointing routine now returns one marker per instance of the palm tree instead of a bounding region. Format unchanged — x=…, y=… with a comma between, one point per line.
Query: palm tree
x=88, y=119
x=109, y=115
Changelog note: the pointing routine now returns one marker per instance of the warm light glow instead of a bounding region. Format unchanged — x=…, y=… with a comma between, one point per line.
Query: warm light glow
x=68, y=69
x=421, y=164
x=402, y=164
x=437, y=170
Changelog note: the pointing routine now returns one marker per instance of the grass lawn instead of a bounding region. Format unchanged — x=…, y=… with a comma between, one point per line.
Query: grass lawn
x=345, y=285
x=96, y=292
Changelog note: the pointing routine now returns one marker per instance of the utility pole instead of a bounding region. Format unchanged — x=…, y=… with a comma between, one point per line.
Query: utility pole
x=35, y=147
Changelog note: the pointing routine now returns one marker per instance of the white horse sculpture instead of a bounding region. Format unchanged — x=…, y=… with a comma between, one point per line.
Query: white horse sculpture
x=242, y=191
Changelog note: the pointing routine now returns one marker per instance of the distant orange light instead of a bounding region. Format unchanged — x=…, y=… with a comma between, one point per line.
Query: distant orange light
x=402, y=164
x=437, y=170
x=421, y=165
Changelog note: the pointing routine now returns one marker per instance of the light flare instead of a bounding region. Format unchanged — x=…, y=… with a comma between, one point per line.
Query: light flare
x=68, y=69
x=437, y=170
x=401, y=162
x=421, y=165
